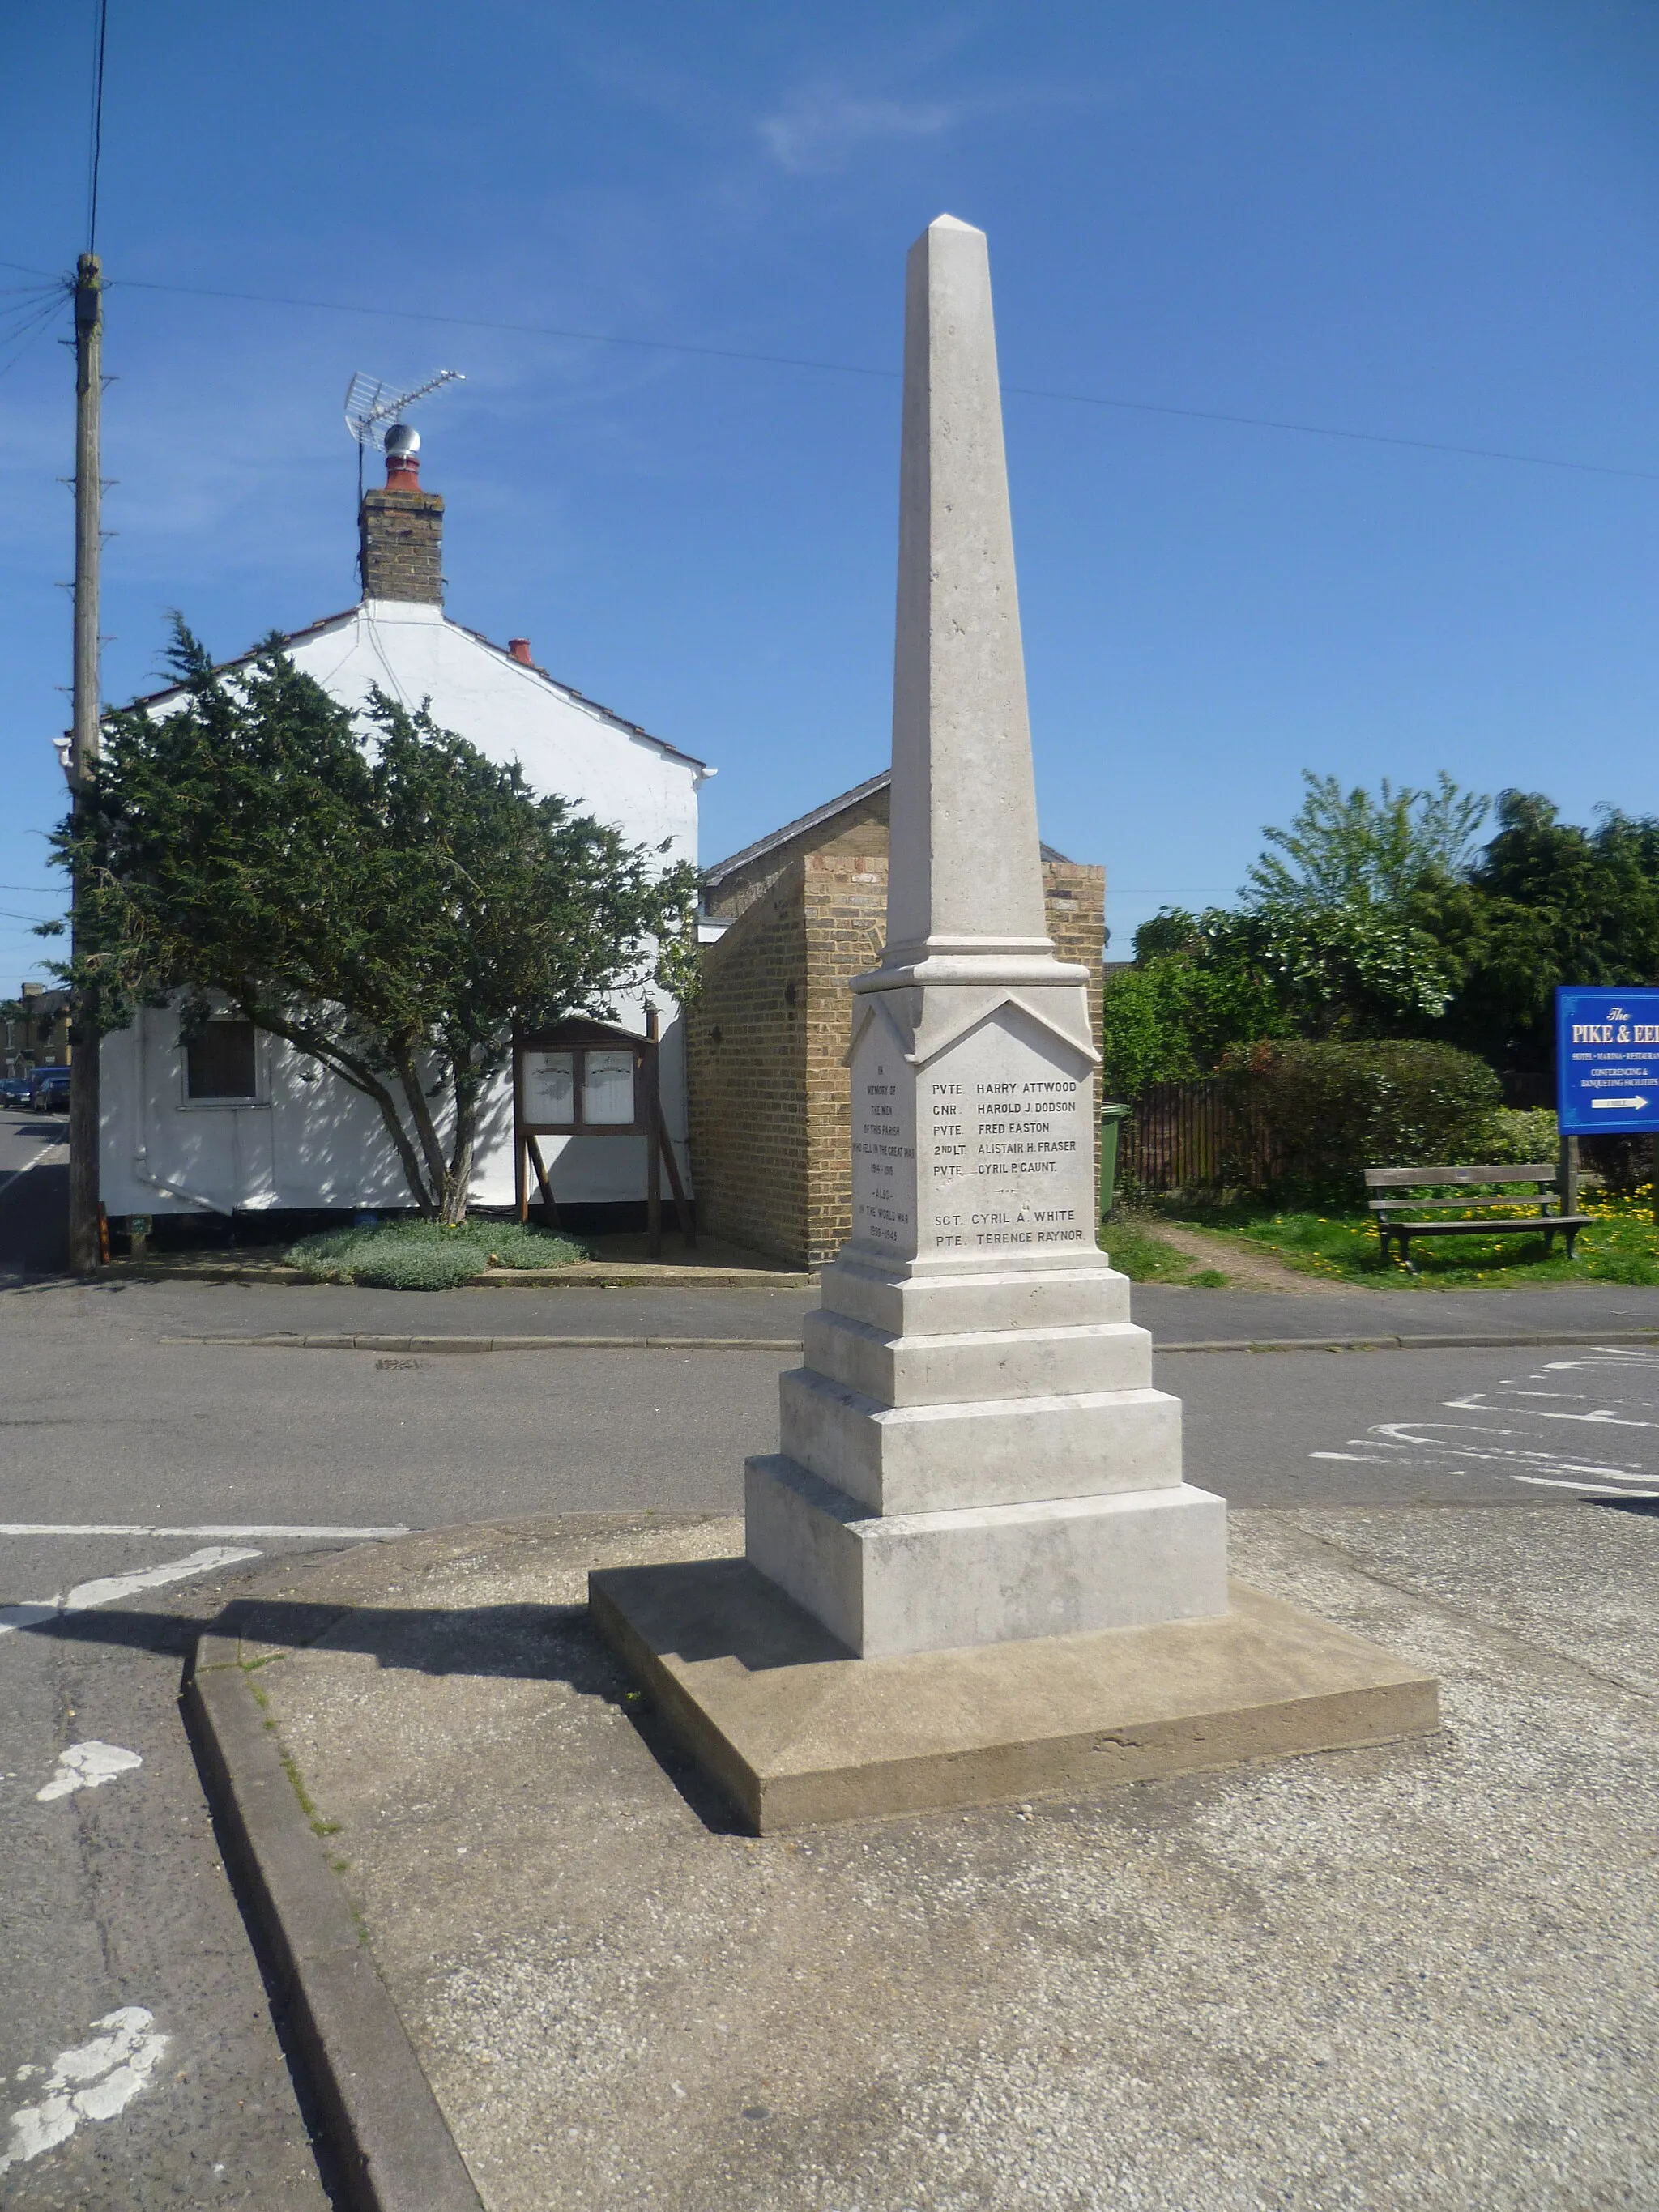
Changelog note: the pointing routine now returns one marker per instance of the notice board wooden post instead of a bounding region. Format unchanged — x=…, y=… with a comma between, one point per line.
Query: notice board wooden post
x=653, y=1141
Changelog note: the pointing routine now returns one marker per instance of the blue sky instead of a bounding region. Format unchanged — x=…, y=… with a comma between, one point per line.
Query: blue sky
x=1424, y=222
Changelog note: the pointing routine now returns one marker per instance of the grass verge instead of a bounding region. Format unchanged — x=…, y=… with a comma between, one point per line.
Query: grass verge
x=1621, y=1246
x=426, y=1255
x=1137, y=1251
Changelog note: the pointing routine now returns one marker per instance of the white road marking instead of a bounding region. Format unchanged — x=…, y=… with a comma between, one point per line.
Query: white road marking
x=1602, y=1489
x=94, y=2081
x=1479, y=1402
x=271, y=1530
x=49, y=1155
x=1601, y=1355
x=1413, y=1433
x=1520, y=1446
x=107, y=1588
x=86, y=1766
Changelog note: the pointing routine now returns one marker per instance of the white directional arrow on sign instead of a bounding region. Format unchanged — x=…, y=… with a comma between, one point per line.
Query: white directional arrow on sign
x=1617, y=1105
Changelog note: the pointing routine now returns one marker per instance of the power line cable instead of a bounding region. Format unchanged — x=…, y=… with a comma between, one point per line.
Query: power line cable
x=524, y=330
x=1326, y=430
x=24, y=333
x=856, y=369
x=97, y=148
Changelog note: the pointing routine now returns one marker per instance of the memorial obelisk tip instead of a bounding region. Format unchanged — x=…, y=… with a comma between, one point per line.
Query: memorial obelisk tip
x=966, y=870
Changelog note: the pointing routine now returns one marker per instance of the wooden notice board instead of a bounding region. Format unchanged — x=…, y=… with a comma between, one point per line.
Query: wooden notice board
x=587, y=1079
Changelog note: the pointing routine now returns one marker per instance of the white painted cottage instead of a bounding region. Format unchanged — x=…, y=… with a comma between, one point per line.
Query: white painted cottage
x=242, y=1122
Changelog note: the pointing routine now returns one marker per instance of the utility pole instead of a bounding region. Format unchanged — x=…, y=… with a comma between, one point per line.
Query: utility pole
x=84, y=1236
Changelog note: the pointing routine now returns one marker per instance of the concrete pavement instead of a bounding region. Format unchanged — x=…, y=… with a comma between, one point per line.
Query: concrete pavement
x=1419, y=1976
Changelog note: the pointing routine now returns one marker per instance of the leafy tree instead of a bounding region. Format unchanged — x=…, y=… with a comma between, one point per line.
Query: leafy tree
x=1172, y=1017
x=1547, y=903
x=385, y=897
x=1373, y=916
x=1204, y=983
x=1342, y=972
x=1351, y=850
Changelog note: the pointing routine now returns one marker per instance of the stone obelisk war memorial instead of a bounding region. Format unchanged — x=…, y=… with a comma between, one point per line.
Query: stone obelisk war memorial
x=973, y=1568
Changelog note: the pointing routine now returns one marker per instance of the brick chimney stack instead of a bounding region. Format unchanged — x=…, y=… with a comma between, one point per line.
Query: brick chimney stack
x=401, y=529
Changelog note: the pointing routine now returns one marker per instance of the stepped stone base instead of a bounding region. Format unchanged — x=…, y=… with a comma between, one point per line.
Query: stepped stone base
x=884, y=1583
x=794, y=1731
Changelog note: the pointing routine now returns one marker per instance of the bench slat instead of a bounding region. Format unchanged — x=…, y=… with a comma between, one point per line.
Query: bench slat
x=1399, y=1178
x=1534, y=1223
x=1431, y=1204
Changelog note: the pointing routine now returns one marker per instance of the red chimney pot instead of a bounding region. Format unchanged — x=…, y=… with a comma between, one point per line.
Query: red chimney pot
x=520, y=649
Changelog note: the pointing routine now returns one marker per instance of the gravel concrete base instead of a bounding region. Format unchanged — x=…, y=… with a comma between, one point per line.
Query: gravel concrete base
x=1419, y=1975
x=794, y=1731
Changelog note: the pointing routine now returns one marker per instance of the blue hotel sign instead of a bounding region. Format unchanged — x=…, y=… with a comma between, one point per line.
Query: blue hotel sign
x=1607, y=1061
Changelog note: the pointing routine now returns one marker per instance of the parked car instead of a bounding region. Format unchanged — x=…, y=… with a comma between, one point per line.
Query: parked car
x=48, y=1089
x=15, y=1090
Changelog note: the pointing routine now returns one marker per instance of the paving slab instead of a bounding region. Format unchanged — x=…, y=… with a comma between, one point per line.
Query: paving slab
x=1417, y=1975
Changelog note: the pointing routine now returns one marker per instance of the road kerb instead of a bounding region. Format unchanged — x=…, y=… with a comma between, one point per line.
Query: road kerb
x=294, y=1342
x=395, y=2151
x=1462, y=1342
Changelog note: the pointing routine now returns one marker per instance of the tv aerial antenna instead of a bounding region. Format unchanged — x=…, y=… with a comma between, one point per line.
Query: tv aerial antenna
x=375, y=408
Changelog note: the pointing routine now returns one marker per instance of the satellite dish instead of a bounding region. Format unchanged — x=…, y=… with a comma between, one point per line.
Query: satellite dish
x=373, y=407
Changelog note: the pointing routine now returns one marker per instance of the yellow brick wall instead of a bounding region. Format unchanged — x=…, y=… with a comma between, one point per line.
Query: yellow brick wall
x=746, y=1073
x=860, y=827
x=771, y=1132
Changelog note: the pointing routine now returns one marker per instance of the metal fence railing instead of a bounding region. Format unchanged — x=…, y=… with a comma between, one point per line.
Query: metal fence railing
x=1202, y=1137
x=1194, y=1136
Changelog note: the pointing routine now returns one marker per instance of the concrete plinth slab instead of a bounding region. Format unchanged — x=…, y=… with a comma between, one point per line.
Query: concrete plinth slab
x=978, y=1451
x=1013, y=1363
x=888, y=1584
x=795, y=1731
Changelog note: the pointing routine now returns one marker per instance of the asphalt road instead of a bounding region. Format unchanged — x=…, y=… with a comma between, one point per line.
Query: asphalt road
x=33, y=1192
x=123, y=1455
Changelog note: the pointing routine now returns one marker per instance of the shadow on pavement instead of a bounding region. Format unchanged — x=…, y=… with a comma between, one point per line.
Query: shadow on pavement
x=34, y=1221
x=520, y=1643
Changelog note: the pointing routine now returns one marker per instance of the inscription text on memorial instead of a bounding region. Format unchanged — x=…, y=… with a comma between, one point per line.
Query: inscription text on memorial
x=989, y=1147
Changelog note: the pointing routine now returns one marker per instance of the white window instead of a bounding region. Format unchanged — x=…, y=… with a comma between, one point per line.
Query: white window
x=221, y=1064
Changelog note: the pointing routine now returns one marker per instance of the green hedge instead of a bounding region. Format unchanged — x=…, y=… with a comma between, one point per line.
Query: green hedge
x=1517, y=1136
x=1332, y=1109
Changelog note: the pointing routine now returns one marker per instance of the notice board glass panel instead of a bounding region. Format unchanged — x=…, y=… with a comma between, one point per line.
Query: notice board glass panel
x=608, y=1090
x=549, y=1089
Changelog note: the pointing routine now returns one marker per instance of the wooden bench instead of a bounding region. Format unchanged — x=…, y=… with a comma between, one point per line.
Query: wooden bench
x=1542, y=1173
